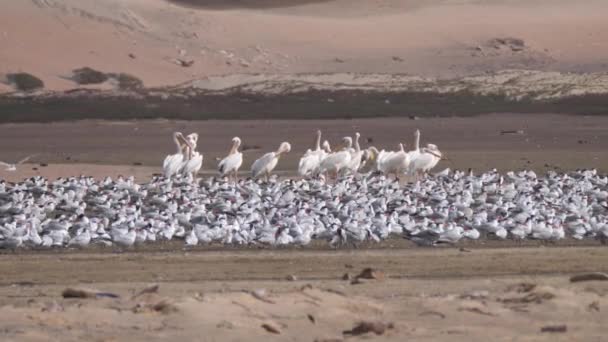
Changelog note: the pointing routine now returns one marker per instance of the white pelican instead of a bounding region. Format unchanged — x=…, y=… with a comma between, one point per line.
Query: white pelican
x=194, y=160
x=265, y=164
x=194, y=163
x=356, y=156
x=174, y=162
x=311, y=160
x=394, y=162
x=232, y=162
x=334, y=162
x=13, y=167
x=427, y=159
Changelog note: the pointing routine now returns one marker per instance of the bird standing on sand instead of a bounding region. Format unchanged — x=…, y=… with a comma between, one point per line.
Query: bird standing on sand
x=311, y=160
x=232, y=162
x=265, y=164
x=173, y=163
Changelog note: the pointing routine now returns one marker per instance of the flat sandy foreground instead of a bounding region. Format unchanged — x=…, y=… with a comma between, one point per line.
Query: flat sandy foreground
x=111, y=148
x=449, y=294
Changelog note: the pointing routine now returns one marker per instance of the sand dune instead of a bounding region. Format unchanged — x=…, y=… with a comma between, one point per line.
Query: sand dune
x=148, y=39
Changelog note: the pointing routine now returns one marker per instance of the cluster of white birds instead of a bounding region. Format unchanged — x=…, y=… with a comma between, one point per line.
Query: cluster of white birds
x=320, y=162
x=446, y=207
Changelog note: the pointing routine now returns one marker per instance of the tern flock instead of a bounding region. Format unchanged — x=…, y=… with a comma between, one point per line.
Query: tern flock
x=354, y=207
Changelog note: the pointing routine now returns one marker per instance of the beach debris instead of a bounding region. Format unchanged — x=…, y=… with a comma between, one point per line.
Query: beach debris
x=183, y=62
x=562, y=328
x=593, y=276
x=365, y=327
x=261, y=294
x=291, y=277
x=311, y=318
x=71, y=292
x=370, y=273
x=165, y=306
x=271, y=328
x=150, y=289
x=512, y=132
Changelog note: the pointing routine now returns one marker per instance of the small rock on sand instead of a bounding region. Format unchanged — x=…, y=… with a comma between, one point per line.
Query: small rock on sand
x=271, y=328
x=554, y=328
x=365, y=327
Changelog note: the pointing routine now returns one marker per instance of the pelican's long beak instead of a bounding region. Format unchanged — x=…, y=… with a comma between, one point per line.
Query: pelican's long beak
x=445, y=158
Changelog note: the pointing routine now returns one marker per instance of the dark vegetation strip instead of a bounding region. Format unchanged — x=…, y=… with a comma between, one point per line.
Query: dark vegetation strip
x=344, y=104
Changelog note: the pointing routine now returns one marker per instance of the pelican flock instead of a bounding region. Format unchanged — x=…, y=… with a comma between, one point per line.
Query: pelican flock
x=355, y=207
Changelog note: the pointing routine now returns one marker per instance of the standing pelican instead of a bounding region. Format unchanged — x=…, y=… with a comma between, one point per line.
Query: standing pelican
x=265, y=164
x=356, y=156
x=311, y=160
x=395, y=162
x=427, y=159
x=232, y=162
x=174, y=162
x=194, y=160
x=334, y=162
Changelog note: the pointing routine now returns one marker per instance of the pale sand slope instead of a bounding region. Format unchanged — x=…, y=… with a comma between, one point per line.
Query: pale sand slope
x=428, y=295
x=49, y=38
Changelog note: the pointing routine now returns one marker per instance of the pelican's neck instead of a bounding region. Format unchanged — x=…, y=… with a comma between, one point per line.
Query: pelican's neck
x=357, y=146
x=188, y=152
x=417, y=141
x=318, y=144
x=234, y=148
x=177, y=143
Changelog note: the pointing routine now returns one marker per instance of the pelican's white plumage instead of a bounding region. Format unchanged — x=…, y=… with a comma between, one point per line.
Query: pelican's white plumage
x=194, y=164
x=356, y=156
x=175, y=162
x=230, y=164
x=427, y=159
x=311, y=160
x=335, y=162
x=265, y=164
x=395, y=163
x=413, y=154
